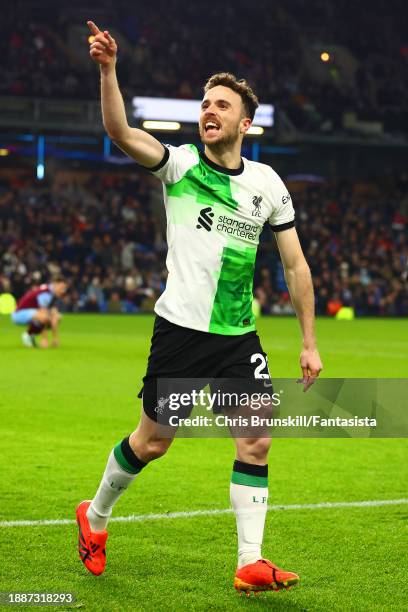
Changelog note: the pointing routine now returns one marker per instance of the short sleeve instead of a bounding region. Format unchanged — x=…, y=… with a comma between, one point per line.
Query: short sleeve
x=45, y=299
x=175, y=163
x=283, y=213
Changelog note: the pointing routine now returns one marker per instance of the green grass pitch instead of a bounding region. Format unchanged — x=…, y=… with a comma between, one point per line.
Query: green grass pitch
x=63, y=410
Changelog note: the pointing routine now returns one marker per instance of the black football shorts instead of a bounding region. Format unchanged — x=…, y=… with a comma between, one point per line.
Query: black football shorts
x=180, y=353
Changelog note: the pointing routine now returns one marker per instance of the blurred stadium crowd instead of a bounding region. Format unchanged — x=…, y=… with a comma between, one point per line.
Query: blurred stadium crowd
x=100, y=234
x=105, y=236
x=106, y=231
x=276, y=46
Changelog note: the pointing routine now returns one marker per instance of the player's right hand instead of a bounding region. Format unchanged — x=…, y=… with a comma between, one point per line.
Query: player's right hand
x=103, y=48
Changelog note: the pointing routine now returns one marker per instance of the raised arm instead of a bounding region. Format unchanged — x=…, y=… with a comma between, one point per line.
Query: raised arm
x=299, y=281
x=140, y=145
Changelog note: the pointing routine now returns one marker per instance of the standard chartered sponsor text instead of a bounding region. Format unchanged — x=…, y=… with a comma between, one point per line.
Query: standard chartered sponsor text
x=242, y=229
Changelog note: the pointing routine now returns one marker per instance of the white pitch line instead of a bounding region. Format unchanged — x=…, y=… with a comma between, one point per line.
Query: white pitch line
x=138, y=518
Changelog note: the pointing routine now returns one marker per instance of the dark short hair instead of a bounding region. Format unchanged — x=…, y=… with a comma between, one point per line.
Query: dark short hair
x=241, y=87
x=58, y=278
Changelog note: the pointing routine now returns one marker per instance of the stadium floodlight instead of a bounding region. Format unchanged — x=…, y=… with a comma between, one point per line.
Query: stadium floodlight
x=4, y=152
x=255, y=130
x=187, y=111
x=161, y=125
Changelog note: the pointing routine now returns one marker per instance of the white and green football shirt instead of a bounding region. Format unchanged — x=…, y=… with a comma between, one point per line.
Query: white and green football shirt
x=214, y=220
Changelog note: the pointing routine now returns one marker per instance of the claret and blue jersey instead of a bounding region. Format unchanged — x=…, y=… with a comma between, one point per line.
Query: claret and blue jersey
x=32, y=300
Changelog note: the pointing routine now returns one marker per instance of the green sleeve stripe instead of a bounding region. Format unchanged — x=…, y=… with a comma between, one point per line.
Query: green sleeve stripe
x=248, y=480
x=121, y=459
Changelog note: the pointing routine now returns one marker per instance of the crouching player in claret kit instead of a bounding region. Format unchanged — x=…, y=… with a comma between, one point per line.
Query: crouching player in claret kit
x=37, y=310
x=217, y=203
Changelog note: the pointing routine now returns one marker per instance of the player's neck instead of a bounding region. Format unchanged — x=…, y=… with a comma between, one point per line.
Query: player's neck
x=230, y=158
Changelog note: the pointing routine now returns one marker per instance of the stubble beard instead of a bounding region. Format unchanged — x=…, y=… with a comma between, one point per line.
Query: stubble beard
x=221, y=145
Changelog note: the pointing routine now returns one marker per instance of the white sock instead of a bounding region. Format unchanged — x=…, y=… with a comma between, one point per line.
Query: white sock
x=250, y=505
x=115, y=481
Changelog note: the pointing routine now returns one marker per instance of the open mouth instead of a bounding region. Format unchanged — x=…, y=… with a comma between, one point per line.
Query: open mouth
x=211, y=127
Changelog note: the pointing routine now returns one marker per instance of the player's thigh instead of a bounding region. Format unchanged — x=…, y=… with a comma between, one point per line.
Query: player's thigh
x=245, y=379
x=244, y=359
x=243, y=376
x=42, y=316
x=23, y=316
x=178, y=361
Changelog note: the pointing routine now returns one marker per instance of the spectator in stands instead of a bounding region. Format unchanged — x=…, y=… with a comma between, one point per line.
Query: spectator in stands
x=354, y=240
x=269, y=47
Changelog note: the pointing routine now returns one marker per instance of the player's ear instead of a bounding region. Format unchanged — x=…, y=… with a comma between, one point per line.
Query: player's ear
x=245, y=125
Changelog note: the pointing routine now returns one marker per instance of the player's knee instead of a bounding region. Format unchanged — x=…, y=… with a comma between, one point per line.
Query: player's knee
x=42, y=316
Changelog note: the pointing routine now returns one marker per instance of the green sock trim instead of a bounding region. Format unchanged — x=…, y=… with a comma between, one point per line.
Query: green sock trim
x=123, y=462
x=248, y=480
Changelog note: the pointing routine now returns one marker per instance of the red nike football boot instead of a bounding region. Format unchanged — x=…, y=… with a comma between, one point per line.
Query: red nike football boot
x=91, y=545
x=263, y=576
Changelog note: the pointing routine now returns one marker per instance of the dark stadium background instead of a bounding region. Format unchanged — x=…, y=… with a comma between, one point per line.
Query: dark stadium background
x=71, y=202
x=340, y=141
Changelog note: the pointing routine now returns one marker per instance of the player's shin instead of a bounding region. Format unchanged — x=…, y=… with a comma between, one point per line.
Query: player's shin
x=121, y=469
x=249, y=499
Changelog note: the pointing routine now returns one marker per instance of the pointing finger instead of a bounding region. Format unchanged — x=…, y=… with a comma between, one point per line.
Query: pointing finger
x=93, y=27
